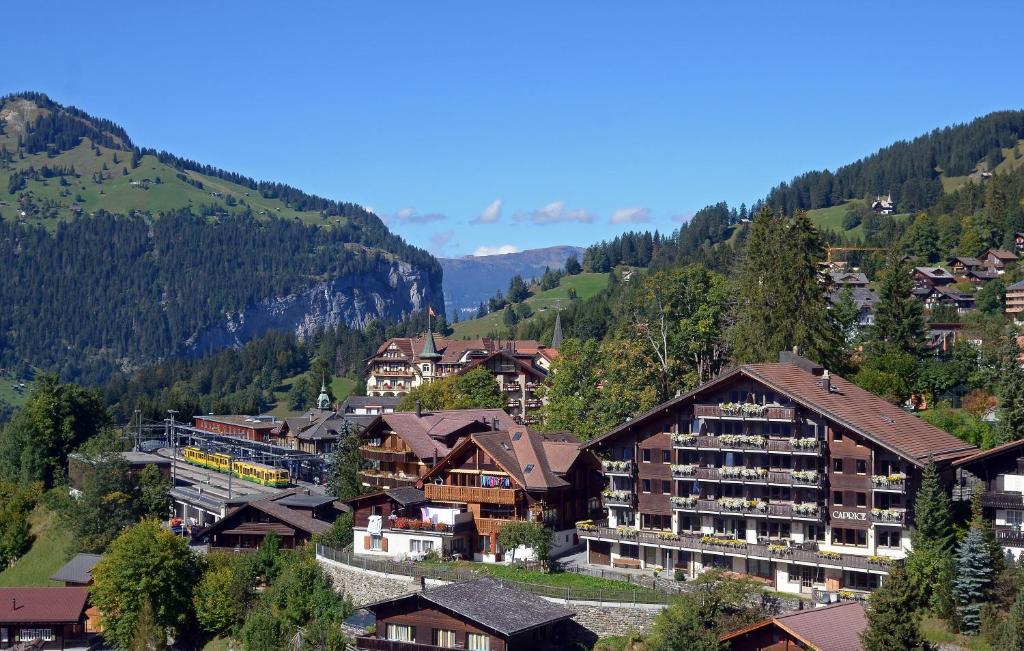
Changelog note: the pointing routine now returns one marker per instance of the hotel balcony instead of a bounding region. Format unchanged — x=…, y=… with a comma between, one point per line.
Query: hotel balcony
x=380, y=453
x=746, y=411
x=380, y=479
x=533, y=403
x=515, y=386
x=1010, y=536
x=756, y=508
x=780, y=552
x=745, y=443
x=889, y=516
x=393, y=373
x=618, y=467
x=738, y=474
x=471, y=494
x=487, y=526
x=625, y=499
x=895, y=483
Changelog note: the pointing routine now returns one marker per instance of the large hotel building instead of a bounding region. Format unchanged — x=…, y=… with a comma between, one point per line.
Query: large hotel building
x=780, y=471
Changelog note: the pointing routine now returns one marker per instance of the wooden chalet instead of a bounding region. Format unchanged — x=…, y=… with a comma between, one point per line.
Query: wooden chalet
x=960, y=265
x=505, y=476
x=46, y=618
x=397, y=449
x=931, y=277
x=999, y=260
x=481, y=614
x=294, y=516
x=832, y=628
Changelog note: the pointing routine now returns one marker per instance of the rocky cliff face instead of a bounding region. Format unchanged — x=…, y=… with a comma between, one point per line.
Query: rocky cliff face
x=392, y=291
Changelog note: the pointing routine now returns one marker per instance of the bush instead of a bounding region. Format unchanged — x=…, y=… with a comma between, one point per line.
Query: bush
x=679, y=575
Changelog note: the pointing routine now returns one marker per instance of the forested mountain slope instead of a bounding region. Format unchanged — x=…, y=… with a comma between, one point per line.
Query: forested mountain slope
x=116, y=255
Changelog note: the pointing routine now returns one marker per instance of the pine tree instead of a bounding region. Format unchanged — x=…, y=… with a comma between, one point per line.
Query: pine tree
x=1011, y=396
x=931, y=539
x=973, y=579
x=780, y=303
x=1012, y=638
x=898, y=316
x=997, y=557
x=891, y=624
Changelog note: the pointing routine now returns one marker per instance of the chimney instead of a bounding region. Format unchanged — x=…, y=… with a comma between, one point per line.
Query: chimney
x=825, y=382
x=419, y=408
x=494, y=424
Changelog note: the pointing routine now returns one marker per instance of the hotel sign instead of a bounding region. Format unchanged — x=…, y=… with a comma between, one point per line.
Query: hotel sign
x=849, y=515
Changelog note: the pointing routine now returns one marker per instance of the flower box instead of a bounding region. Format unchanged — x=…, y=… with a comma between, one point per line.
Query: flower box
x=684, y=438
x=683, y=469
x=832, y=556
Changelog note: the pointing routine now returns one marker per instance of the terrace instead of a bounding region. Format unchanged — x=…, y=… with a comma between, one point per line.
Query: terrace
x=471, y=494
x=745, y=411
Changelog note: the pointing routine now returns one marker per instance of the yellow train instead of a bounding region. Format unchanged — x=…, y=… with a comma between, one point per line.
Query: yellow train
x=254, y=472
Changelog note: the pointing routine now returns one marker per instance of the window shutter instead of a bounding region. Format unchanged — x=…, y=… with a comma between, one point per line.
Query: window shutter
x=366, y=542
x=384, y=544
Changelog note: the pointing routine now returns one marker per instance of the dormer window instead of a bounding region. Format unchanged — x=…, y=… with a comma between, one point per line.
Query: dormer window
x=426, y=368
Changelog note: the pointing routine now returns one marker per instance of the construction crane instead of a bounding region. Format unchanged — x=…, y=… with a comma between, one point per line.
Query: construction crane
x=829, y=249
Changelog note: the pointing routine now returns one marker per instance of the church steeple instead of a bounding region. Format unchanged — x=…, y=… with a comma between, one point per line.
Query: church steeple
x=556, y=338
x=323, y=401
x=429, y=349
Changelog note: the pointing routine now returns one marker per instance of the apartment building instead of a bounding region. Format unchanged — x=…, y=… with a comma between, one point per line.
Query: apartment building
x=998, y=473
x=781, y=471
x=1015, y=300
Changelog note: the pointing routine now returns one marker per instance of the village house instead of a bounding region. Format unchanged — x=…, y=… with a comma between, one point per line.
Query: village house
x=864, y=298
x=518, y=366
x=1018, y=241
x=49, y=617
x=294, y=516
x=780, y=471
x=489, y=479
x=481, y=614
x=1015, y=300
x=398, y=448
x=841, y=279
x=883, y=205
x=998, y=473
x=933, y=297
x=361, y=410
x=960, y=265
x=999, y=260
x=931, y=277
x=78, y=571
x=832, y=628
x=135, y=461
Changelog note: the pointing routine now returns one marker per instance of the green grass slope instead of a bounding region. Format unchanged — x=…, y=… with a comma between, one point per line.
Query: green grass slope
x=831, y=219
x=585, y=284
x=51, y=548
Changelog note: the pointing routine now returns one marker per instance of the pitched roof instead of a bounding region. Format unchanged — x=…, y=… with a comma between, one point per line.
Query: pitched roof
x=370, y=401
x=934, y=272
x=278, y=507
x=1002, y=254
x=848, y=277
x=407, y=495
x=981, y=455
x=77, y=570
x=1017, y=285
x=453, y=351
x=497, y=606
x=966, y=260
x=832, y=628
x=537, y=372
x=846, y=404
x=426, y=434
x=42, y=605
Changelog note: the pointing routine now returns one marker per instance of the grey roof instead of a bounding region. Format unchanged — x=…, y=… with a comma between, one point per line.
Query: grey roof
x=77, y=570
x=145, y=458
x=407, y=495
x=497, y=606
x=848, y=277
x=371, y=401
x=862, y=296
x=1017, y=285
x=301, y=500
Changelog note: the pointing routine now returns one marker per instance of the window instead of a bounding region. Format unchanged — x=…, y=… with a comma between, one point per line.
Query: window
x=814, y=532
x=399, y=633
x=421, y=545
x=441, y=637
x=860, y=580
x=862, y=500
x=1015, y=519
x=478, y=642
x=837, y=498
x=837, y=436
x=375, y=541
x=646, y=456
x=760, y=567
x=888, y=537
x=666, y=456
x=30, y=634
x=837, y=465
x=850, y=537
x=647, y=485
x=666, y=487
x=426, y=368
x=862, y=467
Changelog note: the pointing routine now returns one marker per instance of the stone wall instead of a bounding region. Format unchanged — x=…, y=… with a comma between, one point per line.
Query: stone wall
x=605, y=622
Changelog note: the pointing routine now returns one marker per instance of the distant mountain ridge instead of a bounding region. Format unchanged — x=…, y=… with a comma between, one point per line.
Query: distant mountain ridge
x=121, y=255
x=471, y=280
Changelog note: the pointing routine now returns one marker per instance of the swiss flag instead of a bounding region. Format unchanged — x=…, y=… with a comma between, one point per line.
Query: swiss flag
x=430, y=310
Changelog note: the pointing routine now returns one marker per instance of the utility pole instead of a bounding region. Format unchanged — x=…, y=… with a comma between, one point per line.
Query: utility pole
x=174, y=445
x=138, y=429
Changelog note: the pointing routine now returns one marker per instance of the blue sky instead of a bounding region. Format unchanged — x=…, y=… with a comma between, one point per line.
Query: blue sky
x=470, y=125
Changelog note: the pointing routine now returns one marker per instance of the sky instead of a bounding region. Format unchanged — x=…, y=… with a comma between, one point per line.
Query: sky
x=493, y=127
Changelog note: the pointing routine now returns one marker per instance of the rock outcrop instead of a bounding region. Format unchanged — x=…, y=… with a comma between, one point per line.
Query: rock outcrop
x=389, y=293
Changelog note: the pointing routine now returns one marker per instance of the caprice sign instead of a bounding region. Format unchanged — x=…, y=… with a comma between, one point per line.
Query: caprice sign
x=848, y=515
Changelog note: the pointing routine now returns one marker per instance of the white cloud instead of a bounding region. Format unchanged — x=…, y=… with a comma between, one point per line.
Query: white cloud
x=631, y=216
x=554, y=213
x=496, y=250
x=490, y=215
x=410, y=216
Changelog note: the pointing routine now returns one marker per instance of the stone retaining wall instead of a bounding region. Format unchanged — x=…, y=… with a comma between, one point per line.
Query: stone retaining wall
x=605, y=622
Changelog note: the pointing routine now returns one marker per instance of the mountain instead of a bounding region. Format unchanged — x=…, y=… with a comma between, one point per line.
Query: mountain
x=472, y=280
x=117, y=255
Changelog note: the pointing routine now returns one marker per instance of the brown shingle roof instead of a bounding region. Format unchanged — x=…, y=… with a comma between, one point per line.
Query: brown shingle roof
x=847, y=404
x=427, y=433
x=832, y=628
x=42, y=605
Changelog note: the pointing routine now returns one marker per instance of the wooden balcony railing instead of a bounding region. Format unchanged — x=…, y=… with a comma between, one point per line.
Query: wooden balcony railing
x=471, y=494
x=381, y=453
x=392, y=373
x=1002, y=500
x=382, y=480
x=487, y=526
x=758, y=413
x=368, y=643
